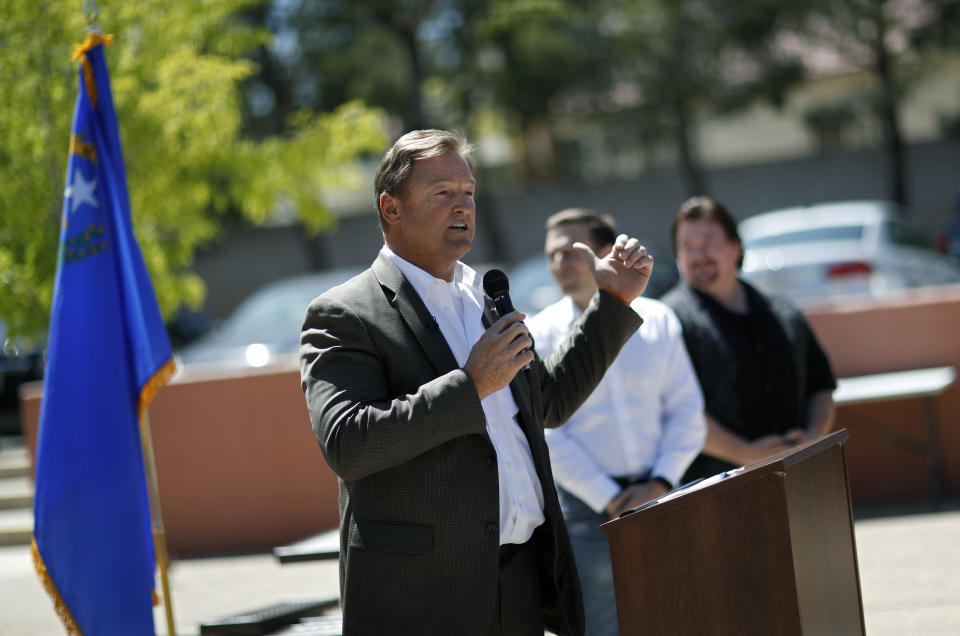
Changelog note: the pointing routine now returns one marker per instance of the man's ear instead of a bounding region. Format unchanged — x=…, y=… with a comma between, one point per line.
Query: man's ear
x=389, y=208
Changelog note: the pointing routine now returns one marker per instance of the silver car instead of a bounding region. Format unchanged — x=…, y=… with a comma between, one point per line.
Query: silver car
x=265, y=328
x=824, y=251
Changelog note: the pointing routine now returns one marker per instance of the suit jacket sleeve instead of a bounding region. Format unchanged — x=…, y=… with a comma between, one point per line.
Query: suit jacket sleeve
x=364, y=417
x=569, y=375
x=375, y=405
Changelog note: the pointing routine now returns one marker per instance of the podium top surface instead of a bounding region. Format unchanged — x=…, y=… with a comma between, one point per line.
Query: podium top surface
x=801, y=451
x=738, y=476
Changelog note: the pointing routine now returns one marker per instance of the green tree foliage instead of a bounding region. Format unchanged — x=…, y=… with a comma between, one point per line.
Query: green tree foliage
x=533, y=53
x=432, y=63
x=696, y=56
x=176, y=69
x=886, y=38
x=331, y=51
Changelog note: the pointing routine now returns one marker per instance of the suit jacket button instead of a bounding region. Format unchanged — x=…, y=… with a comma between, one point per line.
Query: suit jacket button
x=489, y=462
x=492, y=527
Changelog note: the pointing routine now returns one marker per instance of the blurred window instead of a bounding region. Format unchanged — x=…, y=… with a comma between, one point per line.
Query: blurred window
x=271, y=312
x=903, y=234
x=836, y=233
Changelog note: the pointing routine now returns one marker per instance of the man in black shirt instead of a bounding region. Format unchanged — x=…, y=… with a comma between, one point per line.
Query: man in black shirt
x=766, y=381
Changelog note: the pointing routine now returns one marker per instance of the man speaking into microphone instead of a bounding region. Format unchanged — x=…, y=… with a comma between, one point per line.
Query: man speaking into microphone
x=449, y=520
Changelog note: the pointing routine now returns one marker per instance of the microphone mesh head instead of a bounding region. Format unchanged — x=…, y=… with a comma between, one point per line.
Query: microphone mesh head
x=495, y=283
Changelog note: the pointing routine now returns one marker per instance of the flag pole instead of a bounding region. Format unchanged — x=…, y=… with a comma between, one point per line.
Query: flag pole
x=91, y=11
x=156, y=518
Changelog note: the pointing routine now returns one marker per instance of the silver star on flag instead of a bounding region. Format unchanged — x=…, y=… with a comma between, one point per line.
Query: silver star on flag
x=81, y=191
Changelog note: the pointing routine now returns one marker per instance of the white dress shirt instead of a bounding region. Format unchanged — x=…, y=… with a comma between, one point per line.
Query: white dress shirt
x=644, y=418
x=457, y=307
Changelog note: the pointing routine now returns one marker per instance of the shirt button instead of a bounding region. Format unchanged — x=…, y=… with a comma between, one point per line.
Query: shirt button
x=492, y=528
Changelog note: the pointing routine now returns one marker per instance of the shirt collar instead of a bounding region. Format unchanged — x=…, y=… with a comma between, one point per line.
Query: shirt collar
x=570, y=311
x=423, y=280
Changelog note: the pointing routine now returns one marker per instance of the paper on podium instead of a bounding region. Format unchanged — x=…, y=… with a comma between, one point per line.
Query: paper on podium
x=693, y=486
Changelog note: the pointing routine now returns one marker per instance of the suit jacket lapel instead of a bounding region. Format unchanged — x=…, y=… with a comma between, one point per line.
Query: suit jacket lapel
x=411, y=308
x=427, y=333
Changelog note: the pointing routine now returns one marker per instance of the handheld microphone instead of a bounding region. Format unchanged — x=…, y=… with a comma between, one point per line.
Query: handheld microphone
x=497, y=287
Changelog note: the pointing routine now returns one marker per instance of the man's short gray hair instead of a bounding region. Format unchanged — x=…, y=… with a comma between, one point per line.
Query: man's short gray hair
x=397, y=163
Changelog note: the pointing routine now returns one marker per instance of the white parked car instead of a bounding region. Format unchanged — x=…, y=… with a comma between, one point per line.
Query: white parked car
x=823, y=251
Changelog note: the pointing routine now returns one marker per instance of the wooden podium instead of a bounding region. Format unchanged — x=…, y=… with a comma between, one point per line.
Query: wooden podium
x=765, y=549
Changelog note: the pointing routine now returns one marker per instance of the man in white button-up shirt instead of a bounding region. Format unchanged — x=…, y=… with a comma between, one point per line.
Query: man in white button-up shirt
x=638, y=431
x=457, y=306
x=430, y=408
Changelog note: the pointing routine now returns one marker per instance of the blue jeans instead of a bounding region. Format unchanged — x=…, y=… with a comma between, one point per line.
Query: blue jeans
x=592, y=551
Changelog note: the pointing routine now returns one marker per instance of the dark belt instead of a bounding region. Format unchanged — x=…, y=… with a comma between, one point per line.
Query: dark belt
x=624, y=482
x=510, y=550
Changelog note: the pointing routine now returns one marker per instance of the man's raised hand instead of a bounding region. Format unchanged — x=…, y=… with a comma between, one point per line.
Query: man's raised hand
x=625, y=271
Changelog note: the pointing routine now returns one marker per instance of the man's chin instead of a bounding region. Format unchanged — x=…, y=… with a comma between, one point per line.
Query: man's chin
x=702, y=283
x=705, y=276
x=461, y=246
x=569, y=289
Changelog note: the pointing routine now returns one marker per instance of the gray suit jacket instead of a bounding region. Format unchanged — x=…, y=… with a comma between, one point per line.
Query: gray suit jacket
x=402, y=426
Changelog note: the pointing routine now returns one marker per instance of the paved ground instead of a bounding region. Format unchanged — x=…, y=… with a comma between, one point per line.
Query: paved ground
x=910, y=573
x=909, y=564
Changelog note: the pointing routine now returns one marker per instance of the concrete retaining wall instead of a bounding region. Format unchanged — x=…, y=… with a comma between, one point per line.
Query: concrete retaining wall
x=239, y=468
x=917, y=330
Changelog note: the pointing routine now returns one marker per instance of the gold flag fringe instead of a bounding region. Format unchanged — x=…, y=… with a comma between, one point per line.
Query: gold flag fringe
x=79, y=53
x=154, y=384
x=94, y=38
x=69, y=623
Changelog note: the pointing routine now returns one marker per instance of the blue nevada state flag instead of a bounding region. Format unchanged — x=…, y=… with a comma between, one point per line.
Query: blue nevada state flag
x=107, y=355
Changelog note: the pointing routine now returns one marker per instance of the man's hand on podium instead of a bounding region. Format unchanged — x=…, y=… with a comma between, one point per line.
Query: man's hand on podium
x=731, y=447
x=797, y=436
x=768, y=445
x=633, y=496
